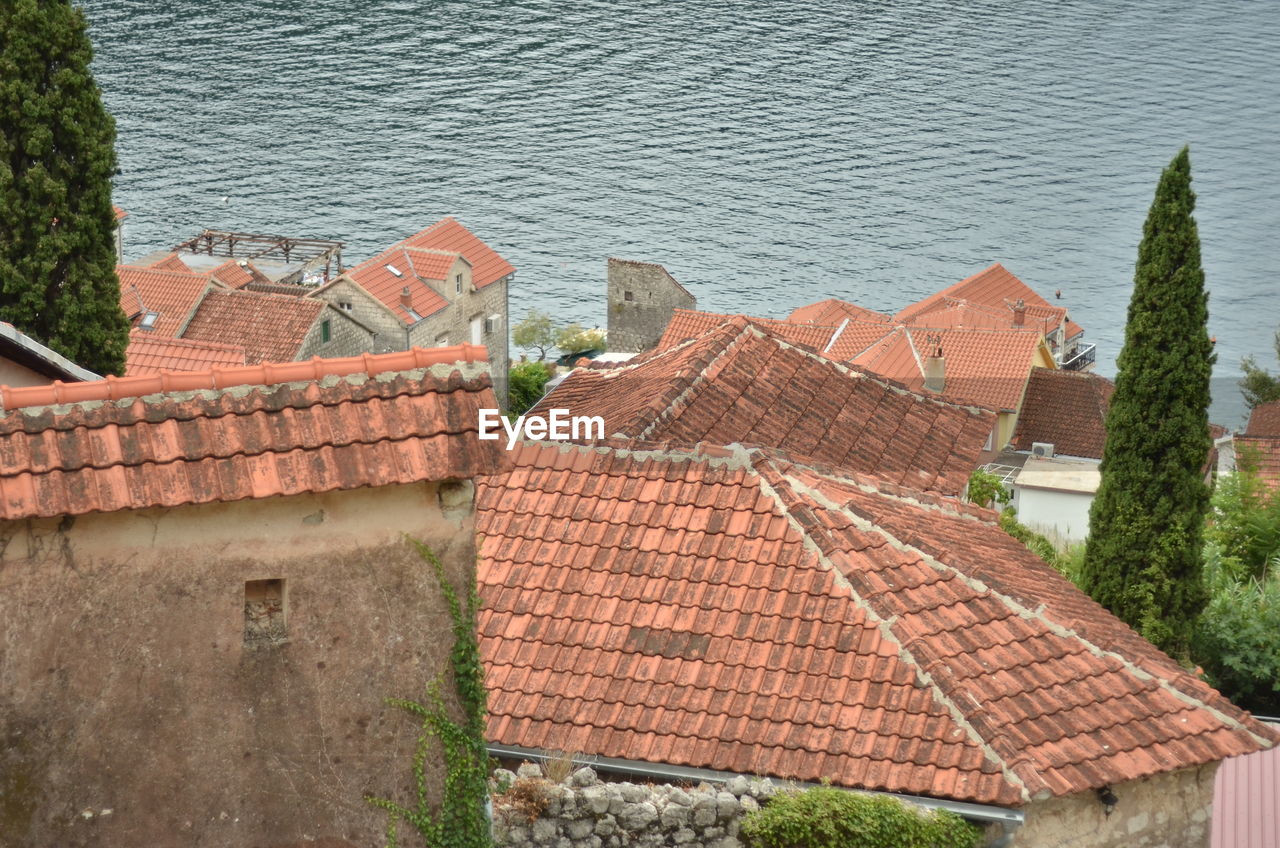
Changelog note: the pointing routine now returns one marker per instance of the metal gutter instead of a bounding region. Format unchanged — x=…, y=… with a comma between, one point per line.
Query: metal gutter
x=1008, y=819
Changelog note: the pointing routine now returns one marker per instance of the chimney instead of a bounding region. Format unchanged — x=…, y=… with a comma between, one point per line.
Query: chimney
x=935, y=372
x=406, y=298
x=1019, y=313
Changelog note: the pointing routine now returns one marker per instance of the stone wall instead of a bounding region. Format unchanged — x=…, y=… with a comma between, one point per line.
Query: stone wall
x=641, y=298
x=346, y=337
x=366, y=309
x=1171, y=810
x=452, y=325
x=585, y=812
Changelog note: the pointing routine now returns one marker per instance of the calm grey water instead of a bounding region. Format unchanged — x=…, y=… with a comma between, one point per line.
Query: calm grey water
x=769, y=153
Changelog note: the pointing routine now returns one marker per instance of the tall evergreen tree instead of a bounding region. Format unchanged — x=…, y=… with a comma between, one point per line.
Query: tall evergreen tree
x=57, y=158
x=1142, y=559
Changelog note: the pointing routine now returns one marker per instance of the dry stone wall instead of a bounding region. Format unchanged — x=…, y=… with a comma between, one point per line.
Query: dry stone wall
x=586, y=812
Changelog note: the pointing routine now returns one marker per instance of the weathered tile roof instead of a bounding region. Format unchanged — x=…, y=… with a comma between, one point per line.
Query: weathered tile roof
x=120, y=213
x=1264, y=420
x=993, y=287
x=249, y=432
x=151, y=354
x=172, y=262
x=1067, y=409
x=172, y=294
x=688, y=324
x=1263, y=454
x=987, y=367
x=428, y=256
x=740, y=383
x=830, y=312
x=725, y=608
x=270, y=327
x=238, y=273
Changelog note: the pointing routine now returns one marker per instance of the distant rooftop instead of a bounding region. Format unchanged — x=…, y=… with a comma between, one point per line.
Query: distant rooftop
x=282, y=258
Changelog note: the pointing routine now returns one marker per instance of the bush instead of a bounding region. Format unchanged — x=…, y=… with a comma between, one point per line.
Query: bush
x=825, y=817
x=986, y=489
x=526, y=384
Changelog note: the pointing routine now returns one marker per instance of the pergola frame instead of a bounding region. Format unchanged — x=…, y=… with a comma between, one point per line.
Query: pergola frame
x=310, y=252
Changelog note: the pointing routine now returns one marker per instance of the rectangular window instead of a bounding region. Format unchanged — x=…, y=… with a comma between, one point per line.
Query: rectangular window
x=264, y=613
x=326, y=331
x=458, y=283
x=628, y=296
x=345, y=305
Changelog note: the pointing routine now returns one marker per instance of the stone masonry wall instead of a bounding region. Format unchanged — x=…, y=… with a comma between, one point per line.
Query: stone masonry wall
x=452, y=325
x=585, y=812
x=636, y=324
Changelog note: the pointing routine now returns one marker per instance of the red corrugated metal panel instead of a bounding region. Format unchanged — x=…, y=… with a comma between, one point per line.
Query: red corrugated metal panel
x=1246, y=802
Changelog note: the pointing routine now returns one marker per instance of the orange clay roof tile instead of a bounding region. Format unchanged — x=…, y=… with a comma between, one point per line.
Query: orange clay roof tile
x=994, y=287
x=1067, y=409
x=1264, y=420
x=887, y=639
x=270, y=327
x=172, y=262
x=686, y=324
x=174, y=295
x=830, y=312
x=151, y=354
x=741, y=383
x=1262, y=454
x=250, y=432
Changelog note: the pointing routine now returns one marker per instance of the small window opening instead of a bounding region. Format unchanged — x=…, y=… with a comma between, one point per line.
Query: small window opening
x=395, y=272
x=628, y=296
x=148, y=321
x=326, y=330
x=458, y=283
x=345, y=306
x=442, y=341
x=264, y=613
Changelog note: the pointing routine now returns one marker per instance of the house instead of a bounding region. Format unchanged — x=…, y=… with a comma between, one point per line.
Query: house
x=641, y=298
x=716, y=611
x=166, y=303
x=996, y=295
x=686, y=324
x=206, y=596
x=439, y=287
x=741, y=383
x=1264, y=420
x=26, y=362
x=118, y=233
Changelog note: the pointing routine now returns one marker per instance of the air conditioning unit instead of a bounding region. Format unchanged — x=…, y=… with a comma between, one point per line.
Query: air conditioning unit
x=1042, y=449
x=493, y=323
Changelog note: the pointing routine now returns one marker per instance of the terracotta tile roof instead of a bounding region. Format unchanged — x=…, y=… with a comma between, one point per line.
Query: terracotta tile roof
x=1263, y=453
x=740, y=383
x=120, y=213
x=688, y=324
x=236, y=275
x=200, y=437
x=172, y=262
x=1264, y=420
x=993, y=287
x=151, y=354
x=963, y=313
x=1067, y=409
x=172, y=294
x=270, y=327
x=376, y=277
x=727, y=609
x=1246, y=802
x=986, y=367
x=830, y=312
x=853, y=338
x=450, y=236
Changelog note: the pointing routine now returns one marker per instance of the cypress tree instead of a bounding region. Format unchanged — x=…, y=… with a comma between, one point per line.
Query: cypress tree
x=57, y=157
x=1142, y=559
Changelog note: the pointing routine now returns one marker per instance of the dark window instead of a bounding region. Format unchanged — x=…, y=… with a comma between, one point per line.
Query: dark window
x=628, y=296
x=326, y=330
x=264, y=612
x=458, y=283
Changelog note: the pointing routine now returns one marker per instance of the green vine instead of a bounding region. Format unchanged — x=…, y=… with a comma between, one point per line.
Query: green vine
x=461, y=820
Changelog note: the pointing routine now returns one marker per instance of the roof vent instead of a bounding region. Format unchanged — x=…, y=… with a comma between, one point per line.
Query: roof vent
x=1042, y=449
x=394, y=270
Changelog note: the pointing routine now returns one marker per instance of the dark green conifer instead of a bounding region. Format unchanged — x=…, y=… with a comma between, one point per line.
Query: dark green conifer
x=1142, y=560
x=57, y=158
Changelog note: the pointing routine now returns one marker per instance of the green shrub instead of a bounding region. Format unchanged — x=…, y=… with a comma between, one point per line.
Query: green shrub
x=986, y=489
x=825, y=817
x=1039, y=544
x=526, y=383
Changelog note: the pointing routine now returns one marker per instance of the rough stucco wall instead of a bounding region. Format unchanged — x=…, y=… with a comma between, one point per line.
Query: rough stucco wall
x=636, y=325
x=132, y=713
x=1061, y=516
x=1166, y=811
x=15, y=375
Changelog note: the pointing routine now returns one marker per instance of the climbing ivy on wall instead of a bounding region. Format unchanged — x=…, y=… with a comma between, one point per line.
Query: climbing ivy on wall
x=461, y=820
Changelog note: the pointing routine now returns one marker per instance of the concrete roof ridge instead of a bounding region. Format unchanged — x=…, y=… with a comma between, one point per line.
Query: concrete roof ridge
x=772, y=481
x=678, y=396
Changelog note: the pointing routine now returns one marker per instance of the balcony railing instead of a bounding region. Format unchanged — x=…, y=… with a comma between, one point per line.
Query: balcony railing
x=1080, y=358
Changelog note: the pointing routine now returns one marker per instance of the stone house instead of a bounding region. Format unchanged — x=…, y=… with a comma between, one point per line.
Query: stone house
x=696, y=613
x=641, y=298
x=742, y=383
x=206, y=594
x=442, y=286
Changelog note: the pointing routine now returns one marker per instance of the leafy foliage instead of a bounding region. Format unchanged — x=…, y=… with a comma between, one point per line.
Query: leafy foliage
x=527, y=382
x=825, y=817
x=577, y=339
x=57, y=157
x=1245, y=519
x=1142, y=559
x=1258, y=385
x=461, y=820
x=986, y=489
x=535, y=331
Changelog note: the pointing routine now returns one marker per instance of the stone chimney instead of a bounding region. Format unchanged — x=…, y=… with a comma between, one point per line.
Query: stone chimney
x=406, y=298
x=935, y=372
x=1019, y=313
